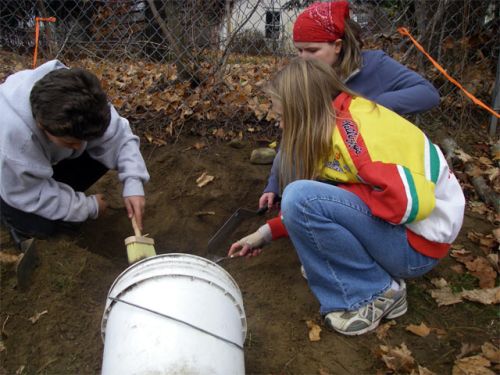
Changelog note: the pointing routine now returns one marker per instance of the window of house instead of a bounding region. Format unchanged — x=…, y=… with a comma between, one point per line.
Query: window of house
x=273, y=23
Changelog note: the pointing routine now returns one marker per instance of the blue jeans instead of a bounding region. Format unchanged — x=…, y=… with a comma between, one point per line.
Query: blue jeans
x=349, y=255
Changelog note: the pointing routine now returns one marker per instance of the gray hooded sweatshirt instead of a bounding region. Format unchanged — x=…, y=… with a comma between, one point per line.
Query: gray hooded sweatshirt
x=27, y=156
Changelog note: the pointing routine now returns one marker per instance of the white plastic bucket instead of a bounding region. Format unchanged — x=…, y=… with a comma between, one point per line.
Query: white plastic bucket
x=174, y=314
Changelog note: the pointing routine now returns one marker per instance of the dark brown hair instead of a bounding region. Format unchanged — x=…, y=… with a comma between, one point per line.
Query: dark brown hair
x=71, y=102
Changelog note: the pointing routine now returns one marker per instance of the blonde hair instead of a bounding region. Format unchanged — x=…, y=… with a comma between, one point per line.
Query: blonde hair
x=350, y=54
x=305, y=88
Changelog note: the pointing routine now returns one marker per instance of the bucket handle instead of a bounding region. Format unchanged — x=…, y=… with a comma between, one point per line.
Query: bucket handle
x=177, y=320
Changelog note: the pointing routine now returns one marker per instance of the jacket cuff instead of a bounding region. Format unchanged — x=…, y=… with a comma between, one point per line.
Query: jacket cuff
x=272, y=185
x=93, y=207
x=278, y=229
x=132, y=186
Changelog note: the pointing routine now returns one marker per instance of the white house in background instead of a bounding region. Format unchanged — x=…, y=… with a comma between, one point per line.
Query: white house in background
x=274, y=19
x=271, y=18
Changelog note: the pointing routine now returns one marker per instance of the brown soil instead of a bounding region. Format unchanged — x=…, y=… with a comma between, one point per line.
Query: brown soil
x=77, y=270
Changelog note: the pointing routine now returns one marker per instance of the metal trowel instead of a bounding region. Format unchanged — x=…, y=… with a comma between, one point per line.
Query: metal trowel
x=220, y=237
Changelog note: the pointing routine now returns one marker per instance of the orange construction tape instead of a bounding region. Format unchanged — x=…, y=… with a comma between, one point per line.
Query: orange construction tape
x=404, y=31
x=37, y=34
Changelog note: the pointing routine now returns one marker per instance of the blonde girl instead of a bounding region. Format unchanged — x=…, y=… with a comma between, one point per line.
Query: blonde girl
x=368, y=200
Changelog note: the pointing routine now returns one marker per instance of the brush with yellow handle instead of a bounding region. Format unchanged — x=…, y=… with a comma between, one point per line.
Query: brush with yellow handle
x=139, y=246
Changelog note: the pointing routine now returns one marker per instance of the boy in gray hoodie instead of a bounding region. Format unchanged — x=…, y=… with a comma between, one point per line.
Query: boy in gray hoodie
x=59, y=135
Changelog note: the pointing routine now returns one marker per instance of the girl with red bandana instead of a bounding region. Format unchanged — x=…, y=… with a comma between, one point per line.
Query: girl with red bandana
x=324, y=31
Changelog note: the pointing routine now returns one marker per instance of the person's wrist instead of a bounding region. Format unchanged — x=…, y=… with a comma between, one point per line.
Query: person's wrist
x=257, y=239
x=267, y=236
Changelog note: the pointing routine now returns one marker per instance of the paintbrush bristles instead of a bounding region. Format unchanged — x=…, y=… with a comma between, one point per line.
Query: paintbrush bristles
x=137, y=251
x=138, y=246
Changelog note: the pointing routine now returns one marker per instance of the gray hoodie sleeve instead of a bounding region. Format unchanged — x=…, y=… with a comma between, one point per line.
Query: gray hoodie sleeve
x=33, y=190
x=119, y=149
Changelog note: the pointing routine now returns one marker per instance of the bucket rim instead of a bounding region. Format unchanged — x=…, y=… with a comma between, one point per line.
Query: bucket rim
x=172, y=255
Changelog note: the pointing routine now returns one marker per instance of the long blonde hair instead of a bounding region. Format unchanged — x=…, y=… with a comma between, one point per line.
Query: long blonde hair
x=350, y=55
x=305, y=88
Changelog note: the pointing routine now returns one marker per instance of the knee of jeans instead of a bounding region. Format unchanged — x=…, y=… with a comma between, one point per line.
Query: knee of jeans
x=294, y=199
x=293, y=194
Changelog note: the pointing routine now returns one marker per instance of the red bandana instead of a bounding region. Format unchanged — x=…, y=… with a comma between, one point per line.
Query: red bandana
x=321, y=22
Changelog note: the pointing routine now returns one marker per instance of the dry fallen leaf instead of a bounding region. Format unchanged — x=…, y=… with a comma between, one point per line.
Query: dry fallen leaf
x=481, y=268
x=493, y=259
x=484, y=160
x=37, y=316
x=383, y=329
x=473, y=171
x=444, y=296
x=478, y=207
x=421, y=330
x=314, y=331
x=204, y=179
x=491, y=352
x=484, y=296
x=199, y=145
x=440, y=333
x=462, y=255
x=461, y=155
x=439, y=283
x=476, y=365
x=149, y=137
x=492, y=173
x=422, y=371
x=487, y=241
x=398, y=358
x=496, y=234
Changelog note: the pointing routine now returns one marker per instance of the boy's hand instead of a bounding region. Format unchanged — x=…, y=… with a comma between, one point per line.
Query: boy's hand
x=135, y=208
x=101, y=204
x=267, y=199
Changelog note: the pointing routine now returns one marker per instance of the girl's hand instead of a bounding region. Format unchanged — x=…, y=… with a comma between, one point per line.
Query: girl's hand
x=240, y=250
x=267, y=199
x=251, y=245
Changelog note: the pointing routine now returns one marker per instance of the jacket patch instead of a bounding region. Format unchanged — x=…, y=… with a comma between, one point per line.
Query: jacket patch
x=335, y=165
x=351, y=132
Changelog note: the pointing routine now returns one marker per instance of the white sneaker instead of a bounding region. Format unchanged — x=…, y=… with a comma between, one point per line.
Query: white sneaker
x=390, y=305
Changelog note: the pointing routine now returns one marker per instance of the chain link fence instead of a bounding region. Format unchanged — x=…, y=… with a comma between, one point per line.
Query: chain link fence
x=176, y=62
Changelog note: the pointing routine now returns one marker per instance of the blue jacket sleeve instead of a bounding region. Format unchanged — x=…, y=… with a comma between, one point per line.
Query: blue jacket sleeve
x=273, y=185
x=406, y=91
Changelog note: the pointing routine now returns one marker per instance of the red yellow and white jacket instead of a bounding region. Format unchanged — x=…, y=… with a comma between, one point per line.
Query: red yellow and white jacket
x=400, y=175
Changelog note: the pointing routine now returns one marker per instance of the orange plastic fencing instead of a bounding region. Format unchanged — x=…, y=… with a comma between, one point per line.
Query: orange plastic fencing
x=404, y=31
x=37, y=34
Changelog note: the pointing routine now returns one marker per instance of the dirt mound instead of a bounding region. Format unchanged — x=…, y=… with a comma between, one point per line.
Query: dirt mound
x=72, y=282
